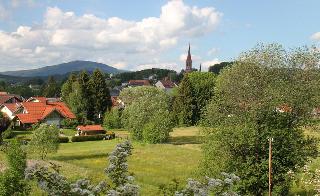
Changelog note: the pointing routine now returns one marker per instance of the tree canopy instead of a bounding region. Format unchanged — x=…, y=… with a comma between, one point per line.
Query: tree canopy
x=267, y=93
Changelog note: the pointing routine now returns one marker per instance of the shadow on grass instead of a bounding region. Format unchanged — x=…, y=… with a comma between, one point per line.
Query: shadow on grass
x=78, y=157
x=181, y=140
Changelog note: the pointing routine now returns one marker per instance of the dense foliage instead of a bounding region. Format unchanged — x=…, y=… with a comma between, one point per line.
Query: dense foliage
x=139, y=75
x=112, y=119
x=217, y=68
x=147, y=115
x=268, y=93
x=194, y=92
x=45, y=139
x=87, y=96
x=12, y=180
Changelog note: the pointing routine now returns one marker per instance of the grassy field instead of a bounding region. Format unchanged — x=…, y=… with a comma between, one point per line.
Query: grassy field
x=151, y=164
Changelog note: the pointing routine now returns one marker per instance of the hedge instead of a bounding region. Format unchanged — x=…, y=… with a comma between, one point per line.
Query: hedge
x=109, y=135
x=63, y=139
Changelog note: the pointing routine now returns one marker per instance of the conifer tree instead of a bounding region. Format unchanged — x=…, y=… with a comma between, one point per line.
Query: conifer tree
x=51, y=89
x=86, y=92
x=102, y=100
x=183, y=103
x=66, y=88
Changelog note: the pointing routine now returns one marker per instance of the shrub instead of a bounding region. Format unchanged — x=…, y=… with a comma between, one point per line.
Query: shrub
x=146, y=107
x=112, y=119
x=157, y=130
x=88, y=138
x=8, y=134
x=12, y=179
x=69, y=123
x=63, y=139
x=45, y=139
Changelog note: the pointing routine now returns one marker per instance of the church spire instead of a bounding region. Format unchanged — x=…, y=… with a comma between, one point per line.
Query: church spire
x=189, y=61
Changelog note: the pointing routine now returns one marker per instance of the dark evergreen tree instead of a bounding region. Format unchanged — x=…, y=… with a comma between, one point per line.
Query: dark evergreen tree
x=66, y=88
x=183, y=104
x=51, y=88
x=86, y=92
x=101, y=95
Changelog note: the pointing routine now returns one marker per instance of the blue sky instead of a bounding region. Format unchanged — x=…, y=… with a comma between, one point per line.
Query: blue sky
x=142, y=34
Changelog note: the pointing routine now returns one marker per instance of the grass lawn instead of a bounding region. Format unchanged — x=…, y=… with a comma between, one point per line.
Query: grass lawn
x=151, y=164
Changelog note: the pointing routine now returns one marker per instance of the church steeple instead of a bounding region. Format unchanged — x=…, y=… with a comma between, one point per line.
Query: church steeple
x=189, y=61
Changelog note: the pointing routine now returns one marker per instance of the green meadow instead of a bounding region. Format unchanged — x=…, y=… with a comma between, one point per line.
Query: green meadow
x=151, y=164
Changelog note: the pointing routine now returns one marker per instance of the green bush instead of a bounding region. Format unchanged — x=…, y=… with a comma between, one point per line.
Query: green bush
x=12, y=180
x=88, y=138
x=69, y=123
x=63, y=139
x=112, y=119
x=8, y=134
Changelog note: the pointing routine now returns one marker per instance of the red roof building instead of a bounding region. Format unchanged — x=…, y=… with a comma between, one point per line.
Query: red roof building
x=43, y=111
x=90, y=130
x=139, y=83
x=8, y=98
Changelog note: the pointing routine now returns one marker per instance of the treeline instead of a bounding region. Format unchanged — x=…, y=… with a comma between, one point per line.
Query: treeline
x=144, y=74
x=34, y=87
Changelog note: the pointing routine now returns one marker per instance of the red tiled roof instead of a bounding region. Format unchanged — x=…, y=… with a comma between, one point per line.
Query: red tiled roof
x=90, y=128
x=139, y=82
x=27, y=118
x=168, y=83
x=6, y=97
x=37, y=111
x=12, y=106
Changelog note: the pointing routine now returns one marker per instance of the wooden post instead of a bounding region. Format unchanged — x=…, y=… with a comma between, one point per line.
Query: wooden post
x=270, y=166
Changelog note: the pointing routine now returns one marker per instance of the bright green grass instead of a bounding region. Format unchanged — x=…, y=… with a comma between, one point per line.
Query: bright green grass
x=151, y=164
x=68, y=132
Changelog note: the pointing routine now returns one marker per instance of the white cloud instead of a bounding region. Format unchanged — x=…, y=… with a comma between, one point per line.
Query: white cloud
x=213, y=51
x=64, y=36
x=316, y=36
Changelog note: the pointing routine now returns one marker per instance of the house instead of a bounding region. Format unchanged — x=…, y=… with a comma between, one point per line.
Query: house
x=166, y=84
x=90, y=130
x=37, y=110
x=10, y=109
x=116, y=102
x=9, y=98
x=133, y=83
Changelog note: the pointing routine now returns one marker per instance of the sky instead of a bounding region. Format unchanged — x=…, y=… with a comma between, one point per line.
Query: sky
x=141, y=34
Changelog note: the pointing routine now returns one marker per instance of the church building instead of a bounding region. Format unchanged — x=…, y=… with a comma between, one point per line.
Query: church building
x=189, y=62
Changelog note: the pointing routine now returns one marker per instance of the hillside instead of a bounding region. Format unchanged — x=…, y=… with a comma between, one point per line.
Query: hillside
x=63, y=68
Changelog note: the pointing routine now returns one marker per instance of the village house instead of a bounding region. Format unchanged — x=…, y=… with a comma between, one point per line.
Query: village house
x=134, y=83
x=37, y=110
x=9, y=98
x=90, y=130
x=166, y=85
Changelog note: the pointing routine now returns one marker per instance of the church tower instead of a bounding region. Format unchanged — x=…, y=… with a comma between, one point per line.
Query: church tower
x=189, y=62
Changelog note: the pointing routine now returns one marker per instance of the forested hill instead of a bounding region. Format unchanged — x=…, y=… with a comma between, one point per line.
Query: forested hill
x=64, y=68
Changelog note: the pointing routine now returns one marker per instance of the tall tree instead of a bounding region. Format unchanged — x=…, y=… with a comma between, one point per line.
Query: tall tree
x=267, y=93
x=183, y=105
x=86, y=93
x=101, y=96
x=51, y=88
x=203, y=84
x=66, y=88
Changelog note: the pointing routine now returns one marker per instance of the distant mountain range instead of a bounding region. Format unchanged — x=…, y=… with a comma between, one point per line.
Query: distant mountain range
x=62, y=69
